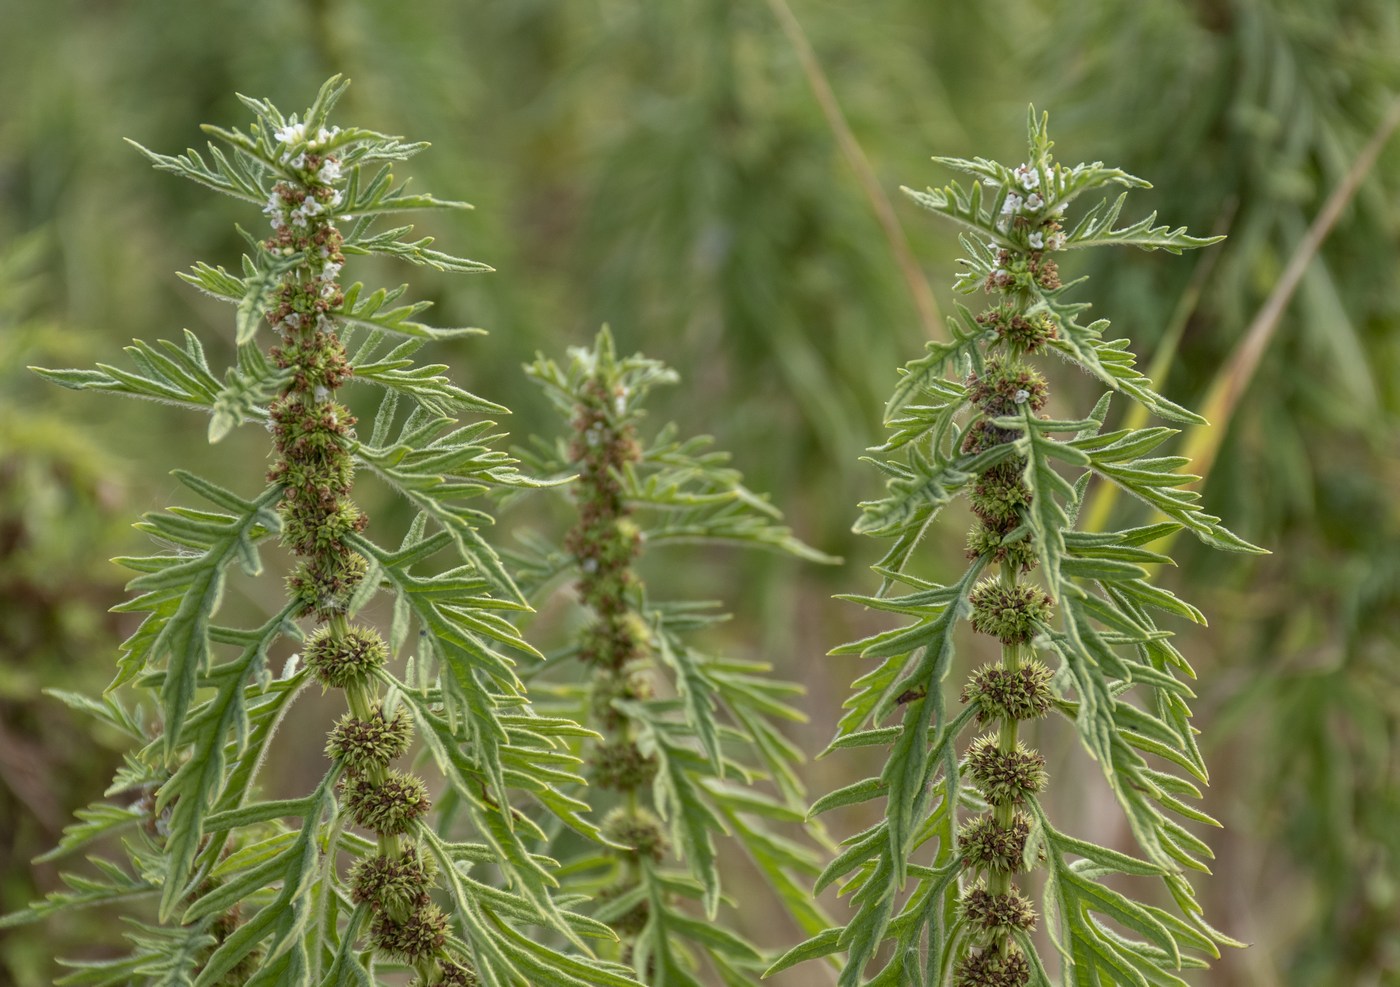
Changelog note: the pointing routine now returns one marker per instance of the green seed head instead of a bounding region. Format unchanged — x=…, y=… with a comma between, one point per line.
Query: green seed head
x=1005, y=777
x=1003, y=694
x=392, y=884
x=622, y=766
x=390, y=807
x=419, y=935
x=991, y=968
x=365, y=743
x=630, y=922
x=340, y=662
x=1010, y=614
x=997, y=914
x=637, y=829
x=985, y=542
x=986, y=845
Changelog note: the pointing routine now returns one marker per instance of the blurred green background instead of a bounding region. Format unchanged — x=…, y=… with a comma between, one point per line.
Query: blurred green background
x=665, y=167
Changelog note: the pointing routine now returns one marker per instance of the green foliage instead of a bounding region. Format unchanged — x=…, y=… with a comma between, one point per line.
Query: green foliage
x=687, y=731
x=981, y=433
x=1267, y=125
x=248, y=888
x=666, y=167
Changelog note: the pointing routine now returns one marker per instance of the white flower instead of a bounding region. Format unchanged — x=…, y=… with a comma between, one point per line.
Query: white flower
x=1028, y=176
x=1021, y=396
x=274, y=205
x=330, y=271
x=1036, y=240
x=337, y=197
x=1004, y=223
x=1056, y=242
x=292, y=133
x=1034, y=202
x=323, y=135
x=330, y=171
x=298, y=162
x=1011, y=205
x=321, y=392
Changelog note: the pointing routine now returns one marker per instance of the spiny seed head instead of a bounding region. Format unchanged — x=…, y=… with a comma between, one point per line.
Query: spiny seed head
x=1000, y=495
x=989, y=968
x=1005, y=777
x=340, y=662
x=982, y=435
x=628, y=683
x=365, y=743
x=390, y=807
x=1008, y=613
x=997, y=913
x=1003, y=694
x=322, y=585
x=632, y=921
x=243, y=971
x=986, y=845
x=637, y=829
x=622, y=766
x=453, y=974
x=1045, y=272
x=615, y=640
x=1026, y=333
x=308, y=528
x=392, y=883
x=419, y=935
x=1003, y=386
x=983, y=541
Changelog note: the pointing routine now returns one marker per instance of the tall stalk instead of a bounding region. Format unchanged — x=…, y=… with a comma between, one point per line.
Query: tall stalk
x=968, y=418
x=692, y=765
x=239, y=896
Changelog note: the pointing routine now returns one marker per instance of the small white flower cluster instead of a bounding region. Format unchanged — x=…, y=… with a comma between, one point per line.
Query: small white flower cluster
x=1015, y=204
x=1031, y=204
x=328, y=268
x=279, y=216
x=311, y=206
x=295, y=133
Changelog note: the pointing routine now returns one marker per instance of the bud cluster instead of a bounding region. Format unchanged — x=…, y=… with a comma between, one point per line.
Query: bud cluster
x=313, y=434
x=605, y=544
x=1005, y=771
